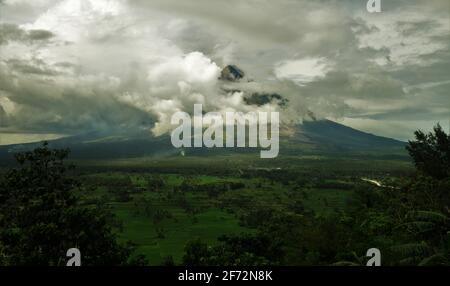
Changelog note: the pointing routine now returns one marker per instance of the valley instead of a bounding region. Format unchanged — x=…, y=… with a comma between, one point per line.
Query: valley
x=163, y=204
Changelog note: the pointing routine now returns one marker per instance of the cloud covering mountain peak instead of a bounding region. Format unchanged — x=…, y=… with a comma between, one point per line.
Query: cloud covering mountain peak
x=72, y=66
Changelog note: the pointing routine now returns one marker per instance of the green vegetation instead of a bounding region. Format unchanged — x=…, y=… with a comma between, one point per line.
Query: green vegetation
x=238, y=210
x=41, y=217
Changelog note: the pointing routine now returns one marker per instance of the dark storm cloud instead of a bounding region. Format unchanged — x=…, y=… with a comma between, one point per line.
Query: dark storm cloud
x=30, y=67
x=12, y=32
x=44, y=108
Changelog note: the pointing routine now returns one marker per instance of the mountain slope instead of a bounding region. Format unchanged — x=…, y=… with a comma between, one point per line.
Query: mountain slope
x=311, y=136
x=334, y=135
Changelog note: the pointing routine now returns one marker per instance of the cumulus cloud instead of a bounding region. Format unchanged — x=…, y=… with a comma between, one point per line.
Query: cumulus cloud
x=302, y=71
x=73, y=66
x=174, y=84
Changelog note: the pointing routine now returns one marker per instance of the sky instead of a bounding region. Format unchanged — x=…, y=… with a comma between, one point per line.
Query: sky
x=69, y=67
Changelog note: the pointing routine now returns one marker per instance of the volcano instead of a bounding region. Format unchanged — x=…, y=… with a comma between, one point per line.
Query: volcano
x=314, y=136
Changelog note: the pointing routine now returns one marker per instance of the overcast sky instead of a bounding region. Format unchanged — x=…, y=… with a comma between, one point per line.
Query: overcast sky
x=74, y=66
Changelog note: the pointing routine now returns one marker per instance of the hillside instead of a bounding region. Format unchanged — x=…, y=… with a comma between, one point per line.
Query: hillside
x=318, y=136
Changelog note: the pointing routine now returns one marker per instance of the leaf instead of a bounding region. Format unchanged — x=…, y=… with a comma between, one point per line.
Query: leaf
x=345, y=263
x=420, y=226
x=411, y=249
x=434, y=260
x=430, y=216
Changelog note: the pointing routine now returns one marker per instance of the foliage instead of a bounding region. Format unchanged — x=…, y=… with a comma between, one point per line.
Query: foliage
x=431, y=152
x=302, y=214
x=242, y=250
x=42, y=218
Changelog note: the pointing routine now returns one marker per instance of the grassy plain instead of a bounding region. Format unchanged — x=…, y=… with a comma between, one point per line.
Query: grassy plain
x=163, y=203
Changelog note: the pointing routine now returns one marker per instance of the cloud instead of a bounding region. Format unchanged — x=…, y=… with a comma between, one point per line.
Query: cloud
x=2, y=116
x=12, y=32
x=302, y=71
x=175, y=84
x=72, y=66
x=20, y=2
x=194, y=70
x=406, y=36
x=59, y=104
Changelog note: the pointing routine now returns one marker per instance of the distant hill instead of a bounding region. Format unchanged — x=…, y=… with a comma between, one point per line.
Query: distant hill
x=315, y=136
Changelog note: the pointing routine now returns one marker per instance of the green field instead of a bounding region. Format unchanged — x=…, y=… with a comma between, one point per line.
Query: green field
x=164, y=204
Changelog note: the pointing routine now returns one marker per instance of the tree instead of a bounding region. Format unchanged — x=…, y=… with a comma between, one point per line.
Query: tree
x=431, y=152
x=196, y=253
x=41, y=217
x=242, y=250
